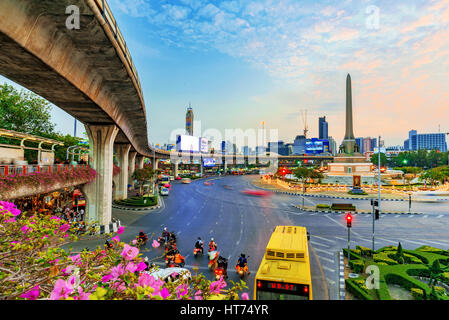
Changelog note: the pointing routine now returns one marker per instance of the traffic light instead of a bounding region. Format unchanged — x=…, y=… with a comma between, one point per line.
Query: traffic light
x=376, y=214
x=348, y=220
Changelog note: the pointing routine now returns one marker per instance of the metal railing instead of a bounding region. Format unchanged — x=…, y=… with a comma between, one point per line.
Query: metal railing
x=109, y=18
x=9, y=170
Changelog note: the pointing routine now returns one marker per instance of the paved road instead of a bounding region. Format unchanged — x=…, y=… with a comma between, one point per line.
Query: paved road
x=241, y=223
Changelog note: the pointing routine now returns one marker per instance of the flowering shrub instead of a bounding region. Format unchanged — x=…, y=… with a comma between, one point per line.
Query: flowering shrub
x=33, y=266
x=46, y=179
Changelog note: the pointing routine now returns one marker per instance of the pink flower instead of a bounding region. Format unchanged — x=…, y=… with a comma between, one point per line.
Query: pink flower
x=145, y=280
x=155, y=244
x=116, y=239
x=216, y=286
x=245, y=296
x=141, y=266
x=198, y=295
x=117, y=271
x=131, y=267
x=120, y=230
x=164, y=293
x=76, y=259
x=106, y=278
x=61, y=290
x=64, y=227
x=129, y=252
x=134, y=241
x=31, y=294
x=82, y=295
x=181, y=291
x=25, y=229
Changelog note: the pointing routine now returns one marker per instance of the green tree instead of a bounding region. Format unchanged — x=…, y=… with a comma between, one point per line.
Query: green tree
x=24, y=112
x=304, y=173
x=143, y=175
x=375, y=159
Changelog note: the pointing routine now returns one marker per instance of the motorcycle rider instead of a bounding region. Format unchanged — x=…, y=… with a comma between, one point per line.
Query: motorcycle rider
x=165, y=234
x=222, y=262
x=142, y=236
x=179, y=260
x=242, y=263
x=199, y=244
x=212, y=245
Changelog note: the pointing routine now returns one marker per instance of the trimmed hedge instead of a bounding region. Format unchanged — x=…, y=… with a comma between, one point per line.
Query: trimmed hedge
x=354, y=286
x=358, y=266
x=323, y=206
x=138, y=201
x=417, y=293
x=365, y=251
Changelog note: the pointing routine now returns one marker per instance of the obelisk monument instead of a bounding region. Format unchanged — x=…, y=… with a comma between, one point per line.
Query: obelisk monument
x=349, y=144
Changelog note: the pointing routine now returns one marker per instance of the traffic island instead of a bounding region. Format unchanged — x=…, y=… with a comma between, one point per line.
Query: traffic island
x=393, y=273
x=328, y=209
x=138, y=203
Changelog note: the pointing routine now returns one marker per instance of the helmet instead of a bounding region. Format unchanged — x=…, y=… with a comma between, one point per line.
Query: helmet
x=211, y=239
x=165, y=229
x=242, y=255
x=199, y=238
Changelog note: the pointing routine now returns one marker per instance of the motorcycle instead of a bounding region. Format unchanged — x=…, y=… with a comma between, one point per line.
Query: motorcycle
x=221, y=269
x=142, y=240
x=213, y=257
x=197, y=251
x=161, y=240
x=241, y=271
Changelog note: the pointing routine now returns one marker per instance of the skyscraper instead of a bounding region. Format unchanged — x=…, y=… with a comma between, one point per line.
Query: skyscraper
x=189, y=121
x=322, y=128
x=426, y=141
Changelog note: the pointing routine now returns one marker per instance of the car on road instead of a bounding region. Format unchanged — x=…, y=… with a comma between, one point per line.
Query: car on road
x=165, y=191
x=172, y=178
x=186, y=180
x=258, y=193
x=178, y=178
x=170, y=274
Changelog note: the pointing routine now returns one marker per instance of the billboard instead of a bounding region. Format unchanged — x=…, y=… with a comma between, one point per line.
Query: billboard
x=187, y=143
x=204, y=145
x=317, y=146
x=209, y=162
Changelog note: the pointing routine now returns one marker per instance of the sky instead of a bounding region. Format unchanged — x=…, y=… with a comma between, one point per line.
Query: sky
x=242, y=62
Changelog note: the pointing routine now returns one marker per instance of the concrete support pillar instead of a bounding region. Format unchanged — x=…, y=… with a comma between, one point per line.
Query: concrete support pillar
x=99, y=192
x=155, y=163
x=132, y=167
x=175, y=170
x=122, y=153
x=140, y=162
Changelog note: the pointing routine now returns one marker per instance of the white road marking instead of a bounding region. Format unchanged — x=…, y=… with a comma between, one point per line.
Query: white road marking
x=441, y=216
x=326, y=259
x=436, y=242
x=340, y=238
x=425, y=216
x=319, y=244
x=415, y=242
x=328, y=269
x=324, y=251
x=411, y=216
x=370, y=241
x=386, y=240
x=331, y=282
x=397, y=216
x=331, y=241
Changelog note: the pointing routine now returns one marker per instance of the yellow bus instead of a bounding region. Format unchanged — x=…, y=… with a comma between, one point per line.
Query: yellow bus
x=284, y=273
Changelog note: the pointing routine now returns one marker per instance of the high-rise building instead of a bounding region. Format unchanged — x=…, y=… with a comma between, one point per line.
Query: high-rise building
x=425, y=141
x=278, y=147
x=299, y=145
x=332, y=146
x=189, y=121
x=322, y=128
x=359, y=142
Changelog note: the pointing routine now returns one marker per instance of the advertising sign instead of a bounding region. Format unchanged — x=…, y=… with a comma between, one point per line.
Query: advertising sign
x=316, y=146
x=209, y=162
x=187, y=143
x=204, y=145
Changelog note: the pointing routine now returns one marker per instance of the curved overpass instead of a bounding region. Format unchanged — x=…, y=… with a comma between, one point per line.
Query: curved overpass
x=86, y=72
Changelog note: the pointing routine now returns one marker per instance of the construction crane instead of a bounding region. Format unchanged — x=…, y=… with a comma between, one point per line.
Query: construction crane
x=304, y=120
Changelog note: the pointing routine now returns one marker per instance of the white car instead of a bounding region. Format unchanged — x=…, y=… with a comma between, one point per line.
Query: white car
x=186, y=180
x=172, y=178
x=165, y=191
x=170, y=274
